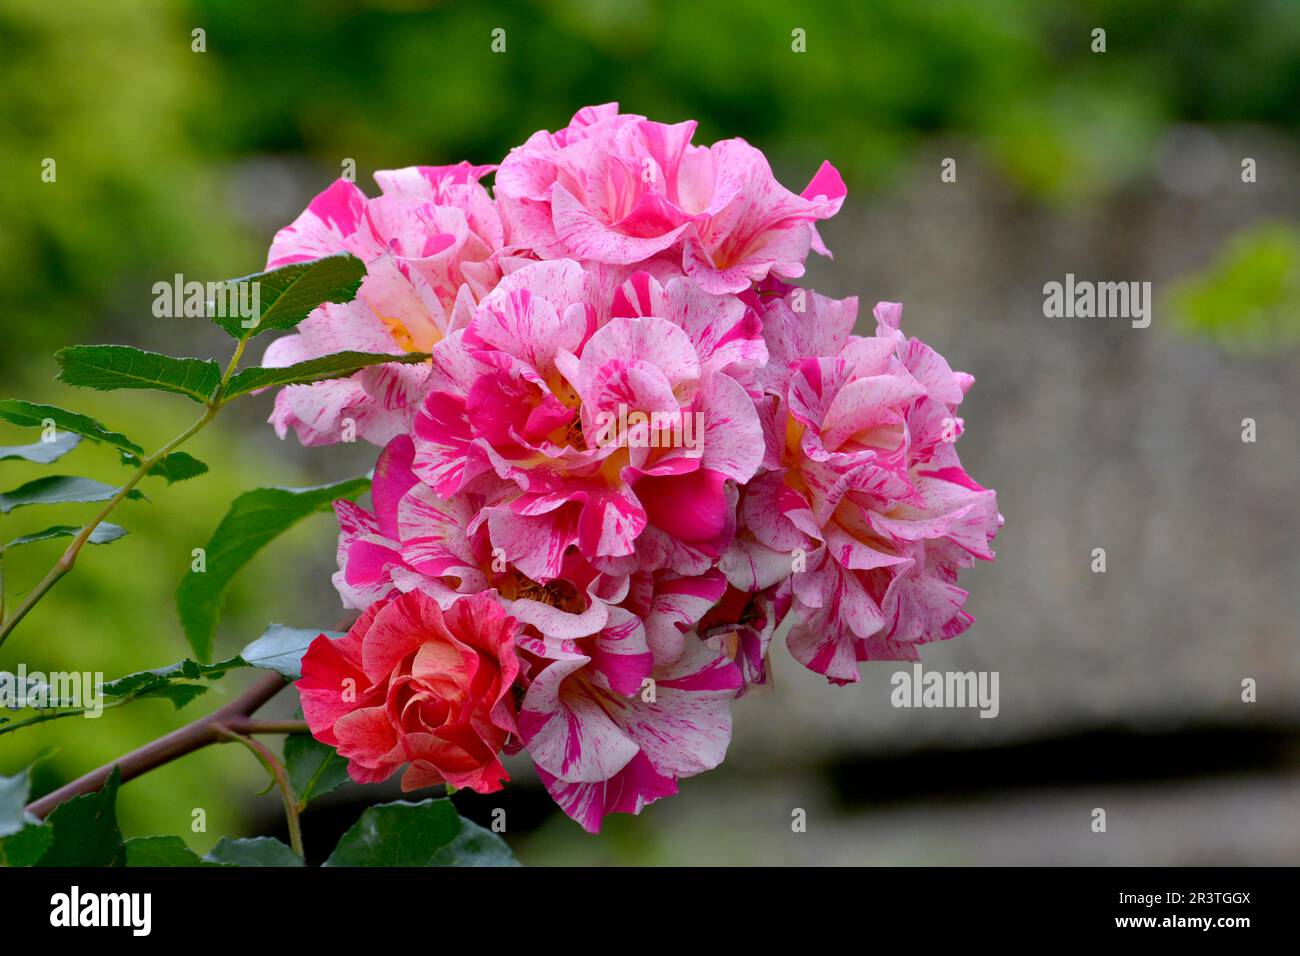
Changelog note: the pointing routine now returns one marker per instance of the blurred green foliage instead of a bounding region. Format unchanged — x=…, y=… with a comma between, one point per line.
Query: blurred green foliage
x=1249, y=297
x=104, y=91
x=403, y=82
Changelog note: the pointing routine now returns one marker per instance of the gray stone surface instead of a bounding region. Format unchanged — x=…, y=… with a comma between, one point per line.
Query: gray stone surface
x=1095, y=434
x=1249, y=820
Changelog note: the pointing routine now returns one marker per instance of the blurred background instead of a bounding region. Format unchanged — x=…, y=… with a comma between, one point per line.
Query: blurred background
x=1119, y=690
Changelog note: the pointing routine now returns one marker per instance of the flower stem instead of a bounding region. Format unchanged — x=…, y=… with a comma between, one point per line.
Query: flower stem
x=281, y=777
x=230, y=370
x=69, y=557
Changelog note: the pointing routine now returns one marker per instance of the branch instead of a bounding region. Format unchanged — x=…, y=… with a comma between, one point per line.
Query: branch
x=245, y=725
x=234, y=716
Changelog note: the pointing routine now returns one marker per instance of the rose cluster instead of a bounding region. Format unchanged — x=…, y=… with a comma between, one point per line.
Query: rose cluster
x=637, y=449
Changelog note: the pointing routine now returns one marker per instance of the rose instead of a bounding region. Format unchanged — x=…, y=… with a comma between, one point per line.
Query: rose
x=620, y=189
x=864, y=480
x=412, y=684
x=528, y=391
x=431, y=244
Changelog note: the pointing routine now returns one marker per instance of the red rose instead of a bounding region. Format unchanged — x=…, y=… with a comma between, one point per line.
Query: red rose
x=412, y=684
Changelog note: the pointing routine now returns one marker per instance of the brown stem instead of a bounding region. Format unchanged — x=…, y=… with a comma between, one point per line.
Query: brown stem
x=245, y=725
x=178, y=743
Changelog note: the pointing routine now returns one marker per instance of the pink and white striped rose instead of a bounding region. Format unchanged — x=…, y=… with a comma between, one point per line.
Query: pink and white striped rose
x=432, y=243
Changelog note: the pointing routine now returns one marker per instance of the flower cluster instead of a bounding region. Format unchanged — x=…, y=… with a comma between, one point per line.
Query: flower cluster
x=636, y=450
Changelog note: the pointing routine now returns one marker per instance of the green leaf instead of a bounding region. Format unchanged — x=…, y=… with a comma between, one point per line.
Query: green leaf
x=42, y=452
x=280, y=649
x=178, y=466
x=162, y=851
x=177, y=683
x=86, y=831
x=58, y=489
x=26, y=847
x=13, y=798
x=429, y=833
x=110, y=367
x=179, y=694
x=314, y=768
x=255, y=518
x=290, y=293
x=338, y=365
x=32, y=415
x=23, y=838
x=104, y=533
x=257, y=851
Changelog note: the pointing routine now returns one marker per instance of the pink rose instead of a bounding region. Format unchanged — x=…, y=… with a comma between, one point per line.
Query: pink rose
x=864, y=480
x=532, y=392
x=410, y=684
x=622, y=190
x=431, y=244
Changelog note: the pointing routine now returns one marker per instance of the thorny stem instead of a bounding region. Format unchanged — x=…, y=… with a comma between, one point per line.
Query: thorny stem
x=69, y=557
x=232, y=722
x=235, y=717
x=281, y=776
